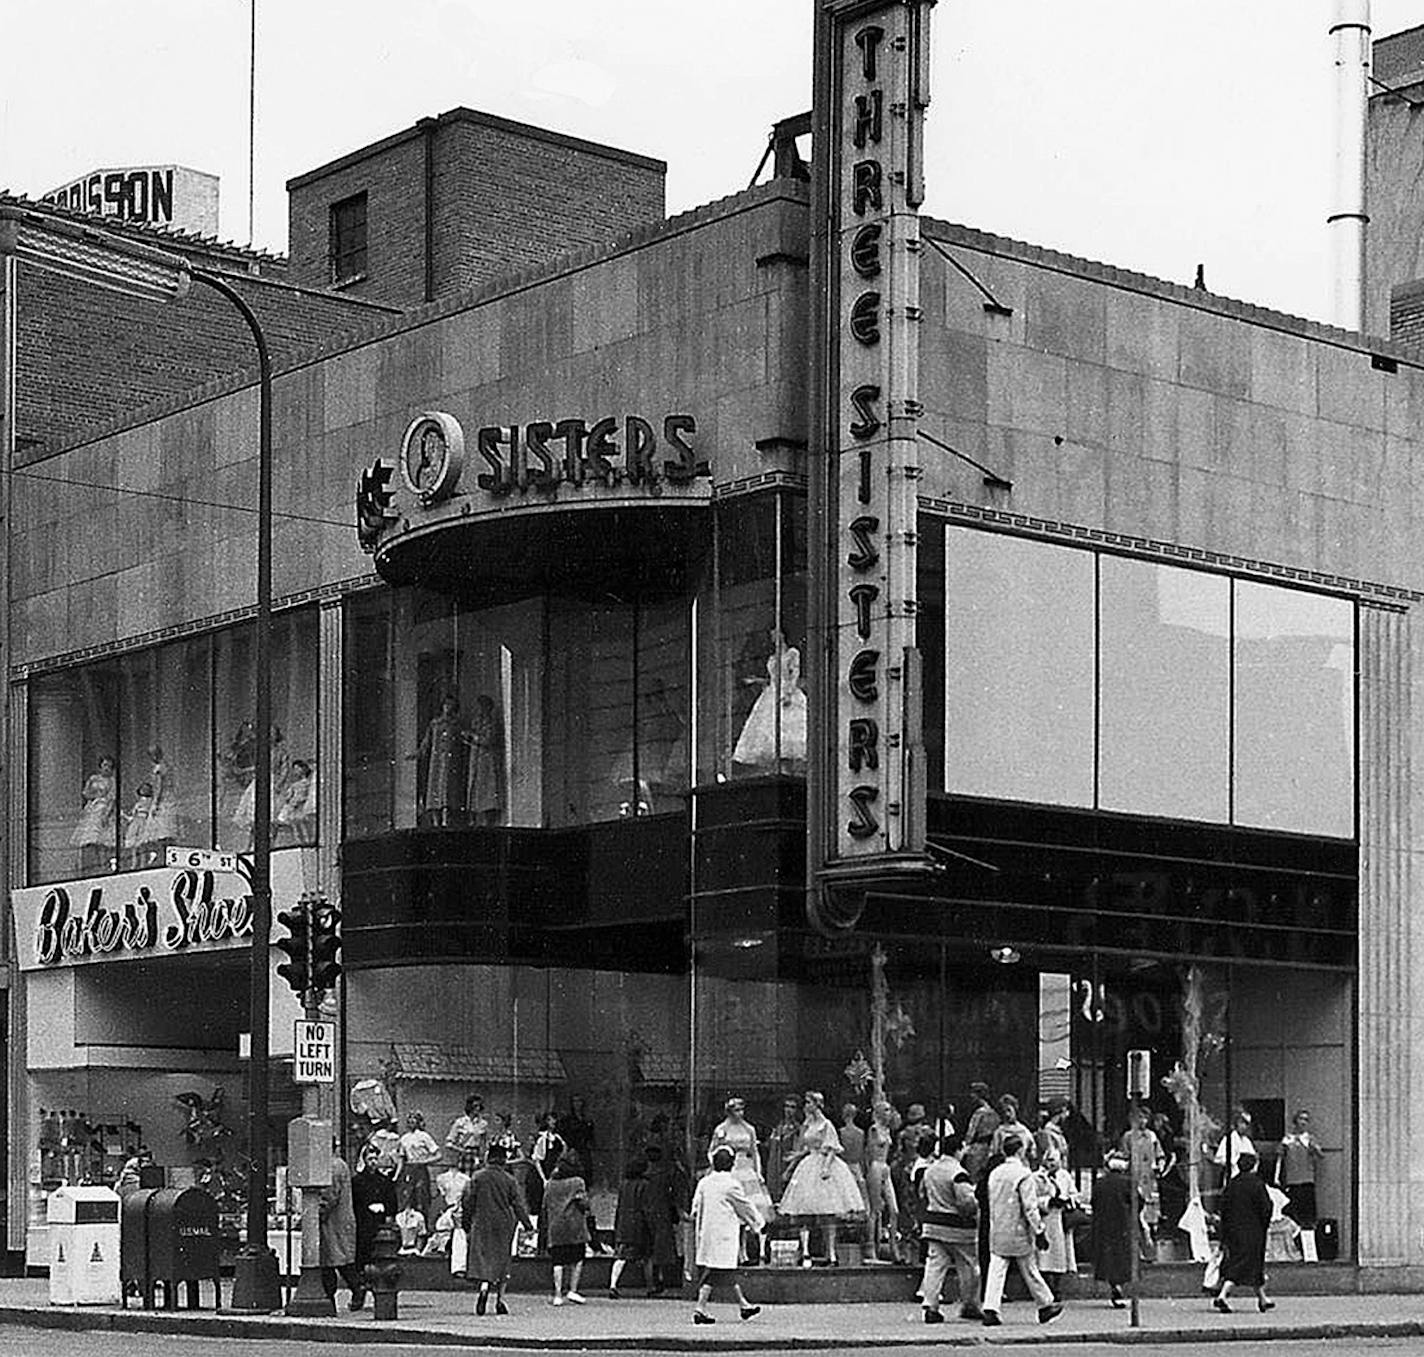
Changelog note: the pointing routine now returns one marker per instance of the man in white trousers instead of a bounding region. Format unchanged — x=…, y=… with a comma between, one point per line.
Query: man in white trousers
x=1015, y=1232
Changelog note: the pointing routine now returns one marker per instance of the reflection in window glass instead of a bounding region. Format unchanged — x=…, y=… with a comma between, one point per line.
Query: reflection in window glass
x=661, y=746
x=590, y=751
x=1164, y=695
x=1018, y=669
x=73, y=773
x=468, y=714
x=760, y=620
x=368, y=754
x=165, y=751
x=1294, y=710
x=518, y=714
x=295, y=769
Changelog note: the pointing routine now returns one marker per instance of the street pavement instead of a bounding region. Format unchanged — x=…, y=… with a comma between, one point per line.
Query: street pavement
x=635, y=1324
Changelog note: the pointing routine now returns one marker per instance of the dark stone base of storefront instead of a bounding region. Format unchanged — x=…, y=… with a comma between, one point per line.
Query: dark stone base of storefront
x=774, y=1285
x=866, y=1284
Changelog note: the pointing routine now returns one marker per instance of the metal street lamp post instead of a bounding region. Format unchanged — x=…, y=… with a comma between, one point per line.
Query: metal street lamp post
x=86, y=253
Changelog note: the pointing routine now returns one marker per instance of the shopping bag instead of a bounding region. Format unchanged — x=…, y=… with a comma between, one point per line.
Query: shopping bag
x=1211, y=1278
x=459, y=1251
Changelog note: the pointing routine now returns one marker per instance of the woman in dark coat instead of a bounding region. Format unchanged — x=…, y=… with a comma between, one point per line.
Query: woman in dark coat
x=1112, y=1227
x=491, y=1207
x=665, y=1204
x=632, y=1233
x=1245, y=1217
x=373, y=1199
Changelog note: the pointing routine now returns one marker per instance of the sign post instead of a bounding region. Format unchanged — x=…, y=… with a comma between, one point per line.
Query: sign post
x=866, y=769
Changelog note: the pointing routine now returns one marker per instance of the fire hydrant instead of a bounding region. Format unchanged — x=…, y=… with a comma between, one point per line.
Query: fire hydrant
x=383, y=1272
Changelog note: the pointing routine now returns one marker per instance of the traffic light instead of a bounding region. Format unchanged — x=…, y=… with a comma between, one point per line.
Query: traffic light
x=296, y=970
x=325, y=945
x=373, y=502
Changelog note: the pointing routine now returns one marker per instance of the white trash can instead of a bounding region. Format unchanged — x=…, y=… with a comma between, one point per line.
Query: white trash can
x=83, y=1246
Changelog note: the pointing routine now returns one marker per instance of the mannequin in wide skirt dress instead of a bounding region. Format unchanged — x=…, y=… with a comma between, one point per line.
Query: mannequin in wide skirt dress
x=822, y=1190
x=780, y=710
x=94, y=833
x=739, y=1136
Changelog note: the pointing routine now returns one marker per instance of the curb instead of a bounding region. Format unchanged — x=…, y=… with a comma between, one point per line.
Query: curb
x=218, y=1325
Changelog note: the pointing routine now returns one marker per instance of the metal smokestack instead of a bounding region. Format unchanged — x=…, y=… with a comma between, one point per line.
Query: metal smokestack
x=1350, y=44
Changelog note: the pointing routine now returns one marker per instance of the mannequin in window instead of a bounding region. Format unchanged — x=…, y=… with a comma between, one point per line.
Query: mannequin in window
x=295, y=811
x=484, y=791
x=136, y=826
x=236, y=764
x=94, y=833
x=162, y=827
x=442, y=798
x=780, y=705
x=247, y=807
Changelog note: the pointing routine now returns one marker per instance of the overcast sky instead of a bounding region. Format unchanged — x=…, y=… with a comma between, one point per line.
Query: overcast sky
x=1149, y=134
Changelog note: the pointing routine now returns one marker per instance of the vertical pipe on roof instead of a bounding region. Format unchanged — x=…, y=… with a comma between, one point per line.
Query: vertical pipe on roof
x=1350, y=45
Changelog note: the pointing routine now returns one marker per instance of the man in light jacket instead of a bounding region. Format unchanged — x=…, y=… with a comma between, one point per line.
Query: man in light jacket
x=338, y=1233
x=1015, y=1232
x=720, y=1207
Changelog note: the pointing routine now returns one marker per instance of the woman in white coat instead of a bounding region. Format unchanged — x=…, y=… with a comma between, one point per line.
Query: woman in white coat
x=720, y=1207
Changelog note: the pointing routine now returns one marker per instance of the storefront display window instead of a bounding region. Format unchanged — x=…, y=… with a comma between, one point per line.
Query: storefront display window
x=74, y=822
x=759, y=620
x=295, y=764
x=547, y=711
x=125, y=759
x=165, y=750
x=603, y=1051
x=1183, y=693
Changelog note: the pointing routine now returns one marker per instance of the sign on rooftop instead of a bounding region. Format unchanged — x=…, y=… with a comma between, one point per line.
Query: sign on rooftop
x=153, y=195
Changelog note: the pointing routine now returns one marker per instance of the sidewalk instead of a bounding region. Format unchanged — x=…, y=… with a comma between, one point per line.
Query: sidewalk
x=660, y=1325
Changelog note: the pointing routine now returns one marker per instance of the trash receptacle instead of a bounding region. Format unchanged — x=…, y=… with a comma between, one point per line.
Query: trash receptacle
x=183, y=1243
x=83, y=1246
x=1327, y=1239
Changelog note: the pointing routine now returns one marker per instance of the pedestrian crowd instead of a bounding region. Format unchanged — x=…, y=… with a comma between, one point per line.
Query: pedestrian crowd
x=878, y=1187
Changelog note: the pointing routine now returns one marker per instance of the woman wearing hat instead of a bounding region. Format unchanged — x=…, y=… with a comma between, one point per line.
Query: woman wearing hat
x=1112, y=1226
x=738, y=1135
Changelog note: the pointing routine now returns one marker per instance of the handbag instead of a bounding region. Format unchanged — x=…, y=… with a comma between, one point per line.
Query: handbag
x=1074, y=1217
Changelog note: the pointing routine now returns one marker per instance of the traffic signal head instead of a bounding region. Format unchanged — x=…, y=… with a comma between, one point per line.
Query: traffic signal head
x=296, y=969
x=373, y=502
x=325, y=946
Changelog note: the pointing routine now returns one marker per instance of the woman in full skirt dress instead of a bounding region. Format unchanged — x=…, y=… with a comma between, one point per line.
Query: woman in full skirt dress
x=95, y=835
x=822, y=1189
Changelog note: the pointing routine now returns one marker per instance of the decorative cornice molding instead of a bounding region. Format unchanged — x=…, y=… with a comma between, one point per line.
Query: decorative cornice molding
x=1367, y=592
x=325, y=593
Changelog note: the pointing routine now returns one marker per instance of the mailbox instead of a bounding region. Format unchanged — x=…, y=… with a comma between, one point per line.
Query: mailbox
x=133, y=1245
x=182, y=1243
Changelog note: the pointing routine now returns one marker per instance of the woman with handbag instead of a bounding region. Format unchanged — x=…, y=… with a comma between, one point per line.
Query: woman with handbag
x=1057, y=1198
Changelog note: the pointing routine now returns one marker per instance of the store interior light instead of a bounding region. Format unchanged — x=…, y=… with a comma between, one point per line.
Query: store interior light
x=92, y=256
x=1005, y=956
